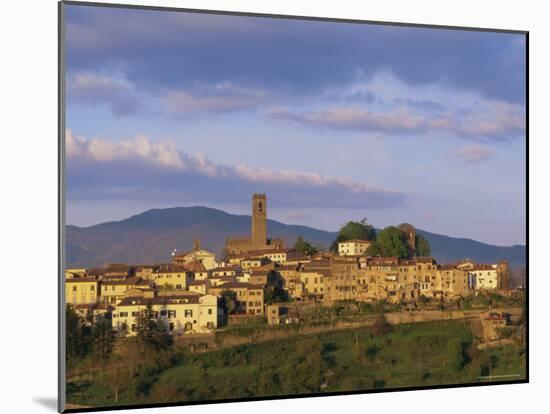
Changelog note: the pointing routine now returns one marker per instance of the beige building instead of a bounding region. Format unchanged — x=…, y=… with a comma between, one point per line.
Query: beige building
x=312, y=276
x=341, y=283
x=492, y=322
x=171, y=277
x=452, y=281
x=250, y=297
x=81, y=290
x=485, y=276
x=353, y=247
x=114, y=291
x=180, y=314
x=75, y=272
x=205, y=257
x=254, y=262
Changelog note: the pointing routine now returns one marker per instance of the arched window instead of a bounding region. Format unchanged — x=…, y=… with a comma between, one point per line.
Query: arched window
x=260, y=206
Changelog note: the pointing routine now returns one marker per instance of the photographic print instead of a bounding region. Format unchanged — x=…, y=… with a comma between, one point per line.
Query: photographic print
x=258, y=207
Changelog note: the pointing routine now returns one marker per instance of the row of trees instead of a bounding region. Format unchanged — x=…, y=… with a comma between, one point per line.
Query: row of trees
x=89, y=337
x=390, y=241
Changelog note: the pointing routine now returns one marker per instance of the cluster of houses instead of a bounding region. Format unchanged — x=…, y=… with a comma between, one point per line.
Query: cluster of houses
x=186, y=293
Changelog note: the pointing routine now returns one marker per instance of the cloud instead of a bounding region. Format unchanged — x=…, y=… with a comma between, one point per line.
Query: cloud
x=92, y=88
x=224, y=97
x=501, y=121
x=296, y=56
x=139, y=149
x=141, y=168
x=355, y=119
x=474, y=154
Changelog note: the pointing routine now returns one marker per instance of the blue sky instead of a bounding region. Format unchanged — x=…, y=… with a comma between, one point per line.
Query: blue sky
x=334, y=121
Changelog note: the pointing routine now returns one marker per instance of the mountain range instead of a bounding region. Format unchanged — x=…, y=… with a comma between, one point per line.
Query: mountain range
x=151, y=236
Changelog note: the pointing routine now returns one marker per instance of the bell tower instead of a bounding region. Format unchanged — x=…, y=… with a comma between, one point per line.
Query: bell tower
x=259, y=220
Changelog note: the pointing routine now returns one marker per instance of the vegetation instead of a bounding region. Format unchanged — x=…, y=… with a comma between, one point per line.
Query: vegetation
x=304, y=247
x=152, y=335
x=354, y=230
x=228, y=301
x=389, y=242
x=275, y=294
x=409, y=355
x=422, y=247
x=87, y=340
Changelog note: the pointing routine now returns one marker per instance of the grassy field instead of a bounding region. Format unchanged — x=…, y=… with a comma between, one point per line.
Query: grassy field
x=411, y=355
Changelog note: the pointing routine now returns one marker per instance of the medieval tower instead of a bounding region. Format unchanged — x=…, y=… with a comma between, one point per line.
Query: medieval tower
x=259, y=220
x=258, y=240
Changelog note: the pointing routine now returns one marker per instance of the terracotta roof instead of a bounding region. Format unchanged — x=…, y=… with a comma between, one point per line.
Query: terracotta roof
x=127, y=281
x=199, y=283
x=237, y=285
x=355, y=241
x=169, y=268
x=159, y=300
x=260, y=252
x=482, y=267
x=81, y=280
x=227, y=269
x=195, y=266
x=382, y=261
x=95, y=272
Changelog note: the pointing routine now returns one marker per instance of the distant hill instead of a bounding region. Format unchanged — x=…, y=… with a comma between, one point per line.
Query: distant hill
x=149, y=237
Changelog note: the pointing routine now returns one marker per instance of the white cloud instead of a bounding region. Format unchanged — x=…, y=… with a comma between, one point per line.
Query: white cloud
x=127, y=164
x=501, y=121
x=95, y=88
x=473, y=154
x=138, y=149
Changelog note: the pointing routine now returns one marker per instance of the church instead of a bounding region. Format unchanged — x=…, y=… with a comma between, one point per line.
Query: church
x=258, y=235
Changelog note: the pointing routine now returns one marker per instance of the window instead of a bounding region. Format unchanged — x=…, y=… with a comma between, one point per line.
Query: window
x=171, y=313
x=74, y=288
x=134, y=327
x=210, y=311
x=188, y=313
x=123, y=314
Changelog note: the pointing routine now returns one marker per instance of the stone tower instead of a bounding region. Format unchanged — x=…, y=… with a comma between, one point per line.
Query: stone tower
x=259, y=220
x=410, y=236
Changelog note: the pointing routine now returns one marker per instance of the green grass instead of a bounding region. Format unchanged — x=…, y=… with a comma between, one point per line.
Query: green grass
x=412, y=355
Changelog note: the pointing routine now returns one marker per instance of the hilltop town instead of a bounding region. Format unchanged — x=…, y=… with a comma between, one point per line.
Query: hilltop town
x=197, y=292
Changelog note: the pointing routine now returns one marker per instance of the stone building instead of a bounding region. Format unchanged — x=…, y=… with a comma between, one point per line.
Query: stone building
x=258, y=236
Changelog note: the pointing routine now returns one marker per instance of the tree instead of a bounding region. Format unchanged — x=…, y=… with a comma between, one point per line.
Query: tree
x=422, y=247
x=275, y=295
x=389, y=242
x=79, y=336
x=151, y=332
x=103, y=339
x=304, y=247
x=354, y=230
x=228, y=301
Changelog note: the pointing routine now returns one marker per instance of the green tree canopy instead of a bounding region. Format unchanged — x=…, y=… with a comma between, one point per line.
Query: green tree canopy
x=389, y=242
x=304, y=247
x=275, y=294
x=354, y=230
x=228, y=301
x=422, y=247
x=151, y=332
